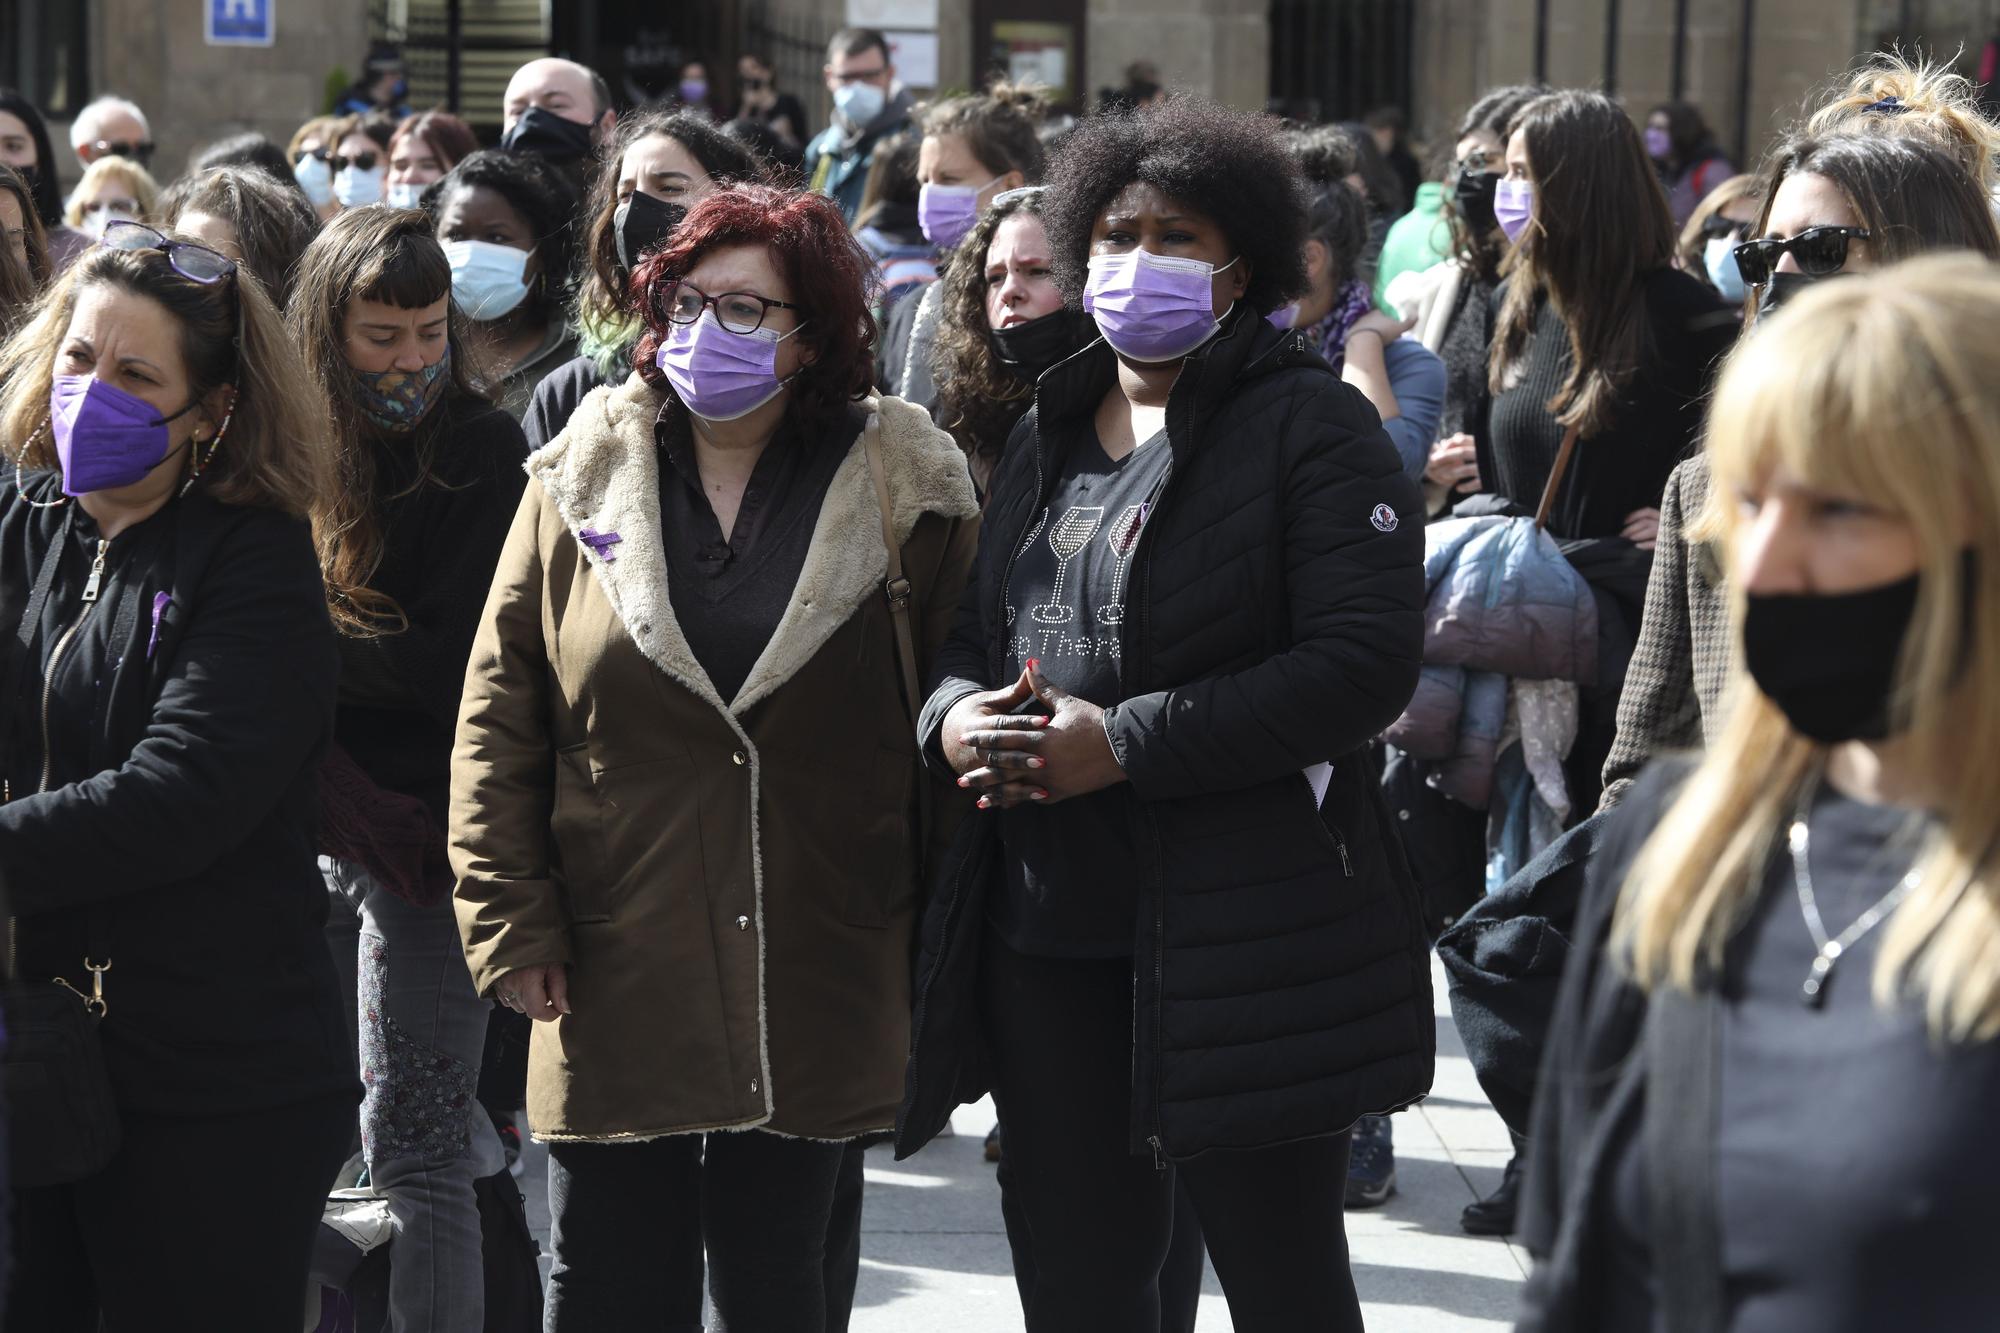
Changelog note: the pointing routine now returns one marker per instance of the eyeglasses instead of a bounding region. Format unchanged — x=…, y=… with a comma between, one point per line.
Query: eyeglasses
x=196, y=263
x=1820, y=252
x=360, y=161
x=141, y=153
x=1715, y=226
x=861, y=75
x=305, y=153
x=739, y=312
x=1475, y=162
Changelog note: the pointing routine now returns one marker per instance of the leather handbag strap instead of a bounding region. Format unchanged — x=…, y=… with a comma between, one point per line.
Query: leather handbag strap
x=20, y=648
x=899, y=592
x=1556, y=475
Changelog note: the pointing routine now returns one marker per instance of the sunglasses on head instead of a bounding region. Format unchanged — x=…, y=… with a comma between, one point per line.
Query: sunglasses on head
x=1819, y=251
x=360, y=161
x=196, y=263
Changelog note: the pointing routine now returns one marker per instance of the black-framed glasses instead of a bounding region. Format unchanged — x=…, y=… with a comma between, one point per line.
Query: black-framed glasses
x=739, y=312
x=1819, y=251
x=196, y=263
x=1715, y=226
x=360, y=161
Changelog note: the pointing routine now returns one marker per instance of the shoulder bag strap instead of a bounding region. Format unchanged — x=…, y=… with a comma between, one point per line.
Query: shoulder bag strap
x=1556, y=475
x=899, y=592
x=20, y=649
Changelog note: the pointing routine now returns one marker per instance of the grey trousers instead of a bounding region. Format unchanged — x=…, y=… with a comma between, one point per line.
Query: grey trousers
x=419, y=1031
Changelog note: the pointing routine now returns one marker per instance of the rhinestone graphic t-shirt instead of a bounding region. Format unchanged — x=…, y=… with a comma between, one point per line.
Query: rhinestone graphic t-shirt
x=1072, y=890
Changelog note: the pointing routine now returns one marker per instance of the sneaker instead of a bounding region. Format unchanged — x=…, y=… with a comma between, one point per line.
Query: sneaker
x=510, y=1143
x=993, y=1145
x=1494, y=1214
x=1371, y=1163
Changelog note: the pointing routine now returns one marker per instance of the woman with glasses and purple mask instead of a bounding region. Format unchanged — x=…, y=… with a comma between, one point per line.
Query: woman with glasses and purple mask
x=167, y=698
x=1177, y=941
x=974, y=149
x=686, y=796
x=428, y=477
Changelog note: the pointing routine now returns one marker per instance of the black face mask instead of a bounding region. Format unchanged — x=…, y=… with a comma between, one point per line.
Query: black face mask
x=1031, y=348
x=1473, y=191
x=1829, y=661
x=545, y=134
x=1785, y=287
x=641, y=225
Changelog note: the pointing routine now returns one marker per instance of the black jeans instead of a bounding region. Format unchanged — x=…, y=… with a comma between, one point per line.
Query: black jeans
x=780, y=1220
x=1098, y=1218
x=198, y=1222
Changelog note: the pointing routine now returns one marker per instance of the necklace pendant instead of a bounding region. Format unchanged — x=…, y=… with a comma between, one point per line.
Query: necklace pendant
x=1813, y=992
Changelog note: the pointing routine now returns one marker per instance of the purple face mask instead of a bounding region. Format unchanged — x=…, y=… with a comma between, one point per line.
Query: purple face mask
x=105, y=437
x=1151, y=308
x=1513, y=205
x=1659, y=144
x=948, y=212
x=721, y=375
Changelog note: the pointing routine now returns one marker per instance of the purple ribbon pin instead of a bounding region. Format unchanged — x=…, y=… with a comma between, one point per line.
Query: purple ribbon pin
x=601, y=543
x=161, y=601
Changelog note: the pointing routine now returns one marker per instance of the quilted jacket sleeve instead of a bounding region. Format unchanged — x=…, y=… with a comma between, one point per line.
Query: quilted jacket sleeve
x=1352, y=549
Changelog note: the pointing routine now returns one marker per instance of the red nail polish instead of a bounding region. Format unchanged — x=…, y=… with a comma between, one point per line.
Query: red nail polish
x=1035, y=665
x=1038, y=796
x=1041, y=722
x=964, y=782
x=985, y=802
x=1036, y=762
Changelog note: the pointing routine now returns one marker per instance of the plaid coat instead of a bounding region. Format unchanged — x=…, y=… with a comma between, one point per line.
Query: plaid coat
x=1673, y=687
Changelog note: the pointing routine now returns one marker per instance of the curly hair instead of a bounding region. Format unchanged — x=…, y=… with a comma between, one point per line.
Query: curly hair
x=1000, y=127
x=979, y=397
x=544, y=198
x=272, y=220
x=374, y=253
x=604, y=301
x=1230, y=165
x=832, y=282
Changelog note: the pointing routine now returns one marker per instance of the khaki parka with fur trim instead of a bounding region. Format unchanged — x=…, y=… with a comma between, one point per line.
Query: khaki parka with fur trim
x=732, y=884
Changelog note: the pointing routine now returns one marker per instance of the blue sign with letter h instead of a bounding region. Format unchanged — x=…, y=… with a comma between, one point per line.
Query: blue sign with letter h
x=240, y=22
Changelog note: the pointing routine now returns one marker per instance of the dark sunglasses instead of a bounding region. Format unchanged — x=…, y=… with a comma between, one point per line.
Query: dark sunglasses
x=1715, y=226
x=1820, y=252
x=360, y=161
x=305, y=153
x=141, y=153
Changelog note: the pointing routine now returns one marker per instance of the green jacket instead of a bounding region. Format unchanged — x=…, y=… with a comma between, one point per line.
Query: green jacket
x=1419, y=239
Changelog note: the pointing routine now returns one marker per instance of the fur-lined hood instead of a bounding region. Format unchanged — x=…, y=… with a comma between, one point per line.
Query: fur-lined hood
x=603, y=474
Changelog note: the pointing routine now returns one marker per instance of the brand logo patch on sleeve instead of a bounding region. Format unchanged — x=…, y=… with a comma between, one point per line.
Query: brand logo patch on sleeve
x=1384, y=518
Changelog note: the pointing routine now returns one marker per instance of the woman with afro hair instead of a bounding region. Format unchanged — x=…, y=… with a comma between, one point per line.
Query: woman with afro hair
x=1177, y=938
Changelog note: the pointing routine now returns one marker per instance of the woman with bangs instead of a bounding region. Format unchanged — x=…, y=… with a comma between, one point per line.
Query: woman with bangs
x=1848, y=204
x=686, y=795
x=1795, y=942
x=427, y=483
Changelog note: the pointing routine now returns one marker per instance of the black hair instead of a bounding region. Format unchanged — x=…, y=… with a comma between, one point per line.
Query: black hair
x=784, y=161
x=542, y=195
x=1338, y=220
x=1493, y=113
x=855, y=41
x=1382, y=185
x=245, y=150
x=1231, y=165
x=48, y=199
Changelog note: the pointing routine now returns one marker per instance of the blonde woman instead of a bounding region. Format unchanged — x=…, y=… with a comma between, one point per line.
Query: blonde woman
x=113, y=189
x=1768, y=1089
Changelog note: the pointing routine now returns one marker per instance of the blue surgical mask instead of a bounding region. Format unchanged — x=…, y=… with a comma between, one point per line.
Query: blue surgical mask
x=859, y=103
x=315, y=177
x=355, y=188
x=487, y=280
x=404, y=194
x=1720, y=257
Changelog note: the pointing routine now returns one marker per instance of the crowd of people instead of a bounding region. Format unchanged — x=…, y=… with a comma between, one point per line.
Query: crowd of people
x=742, y=641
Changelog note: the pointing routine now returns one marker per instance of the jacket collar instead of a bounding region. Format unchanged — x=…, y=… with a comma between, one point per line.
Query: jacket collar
x=603, y=473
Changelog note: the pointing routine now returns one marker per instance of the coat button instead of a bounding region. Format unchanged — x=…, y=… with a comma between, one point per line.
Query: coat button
x=740, y=758
x=743, y=923
x=753, y=1085
x=1402, y=814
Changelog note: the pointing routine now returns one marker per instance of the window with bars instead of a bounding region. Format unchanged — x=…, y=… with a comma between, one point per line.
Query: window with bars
x=1339, y=59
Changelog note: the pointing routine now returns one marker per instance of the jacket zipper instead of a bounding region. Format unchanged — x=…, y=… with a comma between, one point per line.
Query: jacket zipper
x=91, y=587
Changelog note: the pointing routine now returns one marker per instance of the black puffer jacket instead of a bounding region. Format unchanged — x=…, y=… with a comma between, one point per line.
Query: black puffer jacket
x=186, y=711
x=1282, y=982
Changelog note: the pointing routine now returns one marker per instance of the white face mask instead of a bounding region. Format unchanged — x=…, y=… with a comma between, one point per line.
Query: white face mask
x=487, y=280
x=404, y=194
x=355, y=188
x=96, y=218
x=315, y=177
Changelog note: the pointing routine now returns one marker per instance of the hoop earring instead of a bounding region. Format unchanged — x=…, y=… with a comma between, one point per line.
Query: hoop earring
x=20, y=458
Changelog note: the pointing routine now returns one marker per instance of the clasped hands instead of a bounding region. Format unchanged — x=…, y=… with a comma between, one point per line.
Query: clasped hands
x=1040, y=757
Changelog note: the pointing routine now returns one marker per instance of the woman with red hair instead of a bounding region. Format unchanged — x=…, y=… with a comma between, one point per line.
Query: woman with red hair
x=686, y=778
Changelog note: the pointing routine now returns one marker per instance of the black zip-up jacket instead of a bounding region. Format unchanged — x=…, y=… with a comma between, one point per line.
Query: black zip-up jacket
x=1282, y=978
x=186, y=712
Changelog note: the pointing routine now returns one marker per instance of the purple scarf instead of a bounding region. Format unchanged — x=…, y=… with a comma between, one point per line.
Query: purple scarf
x=1329, y=336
